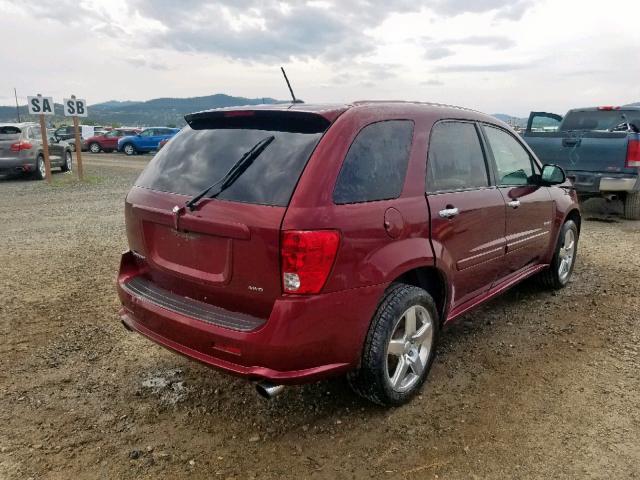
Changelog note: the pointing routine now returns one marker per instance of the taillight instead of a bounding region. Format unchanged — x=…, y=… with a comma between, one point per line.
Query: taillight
x=633, y=154
x=306, y=258
x=21, y=145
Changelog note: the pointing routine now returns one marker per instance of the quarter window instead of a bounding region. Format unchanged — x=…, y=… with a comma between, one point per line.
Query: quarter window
x=513, y=162
x=376, y=164
x=456, y=160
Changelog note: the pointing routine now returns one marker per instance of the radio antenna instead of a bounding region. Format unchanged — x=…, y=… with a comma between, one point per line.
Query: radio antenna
x=295, y=100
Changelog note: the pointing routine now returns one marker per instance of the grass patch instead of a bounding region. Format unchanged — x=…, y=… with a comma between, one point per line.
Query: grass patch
x=68, y=180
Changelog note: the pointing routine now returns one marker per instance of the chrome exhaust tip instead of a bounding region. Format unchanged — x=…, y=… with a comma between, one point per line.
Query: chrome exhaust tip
x=268, y=390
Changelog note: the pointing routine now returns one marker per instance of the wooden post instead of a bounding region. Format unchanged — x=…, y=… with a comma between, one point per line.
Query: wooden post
x=45, y=148
x=78, y=148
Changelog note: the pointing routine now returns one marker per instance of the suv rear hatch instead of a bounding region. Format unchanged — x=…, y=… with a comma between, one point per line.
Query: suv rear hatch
x=226, y=251
x=9, y=140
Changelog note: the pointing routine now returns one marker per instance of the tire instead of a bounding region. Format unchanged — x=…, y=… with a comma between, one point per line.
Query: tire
x=67, y=165
x=129, y=149
x=95, y=147
x=632, y=206
x=379, y=377
x=40, y=171
x=558, y=274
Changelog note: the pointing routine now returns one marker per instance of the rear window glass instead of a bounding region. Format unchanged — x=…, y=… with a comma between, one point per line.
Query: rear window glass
x=9, y=130
x=376, y=164
x=456, y=160
x=599, y=119
x=195, y=159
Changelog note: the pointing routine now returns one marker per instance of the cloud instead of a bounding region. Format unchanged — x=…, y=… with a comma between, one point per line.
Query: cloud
x=507, y=9
x=141, y=61
x=437, y=53
x=492, y=67
x=432, y=82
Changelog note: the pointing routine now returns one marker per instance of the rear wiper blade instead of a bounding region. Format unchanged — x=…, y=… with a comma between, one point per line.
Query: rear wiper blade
x=234, y=172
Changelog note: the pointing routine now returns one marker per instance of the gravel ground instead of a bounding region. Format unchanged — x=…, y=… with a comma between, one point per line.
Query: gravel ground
x=533, y=385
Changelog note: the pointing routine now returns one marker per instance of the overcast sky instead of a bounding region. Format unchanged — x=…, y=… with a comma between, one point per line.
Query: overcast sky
x=497, y=56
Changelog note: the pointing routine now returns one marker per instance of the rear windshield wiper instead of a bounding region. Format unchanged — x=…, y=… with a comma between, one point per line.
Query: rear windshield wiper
x=234, y=172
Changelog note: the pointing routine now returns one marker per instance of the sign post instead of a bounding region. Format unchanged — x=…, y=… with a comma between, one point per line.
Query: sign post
x=42, y=106
x=76, y=107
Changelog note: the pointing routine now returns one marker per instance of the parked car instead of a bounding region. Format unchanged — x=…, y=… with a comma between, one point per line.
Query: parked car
x=108, y=141
x=21, y=151
x=598, y=147
x=67, y=134
x=145, y=141
x=163, y=143
x=289, y=244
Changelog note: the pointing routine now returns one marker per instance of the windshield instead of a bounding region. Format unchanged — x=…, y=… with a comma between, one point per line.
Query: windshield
x=9, y=131
x=194, y=159
x=599, y=119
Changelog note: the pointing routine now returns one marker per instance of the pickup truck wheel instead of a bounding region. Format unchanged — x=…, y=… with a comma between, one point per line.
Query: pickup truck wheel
x=400, y=347
x=94, y=147
x=564, y=258
x=129, y=149
x=632, y=206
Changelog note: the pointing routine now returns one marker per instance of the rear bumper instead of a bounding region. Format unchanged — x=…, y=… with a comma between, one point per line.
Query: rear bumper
x=17, y=165
x=304, y=339
x=601, y=182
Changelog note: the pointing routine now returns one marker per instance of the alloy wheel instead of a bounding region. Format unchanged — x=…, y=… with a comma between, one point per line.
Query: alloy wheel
x=566, y=255
x=409, y=348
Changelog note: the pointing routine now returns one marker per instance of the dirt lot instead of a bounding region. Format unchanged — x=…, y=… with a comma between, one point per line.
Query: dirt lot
x=534, y=385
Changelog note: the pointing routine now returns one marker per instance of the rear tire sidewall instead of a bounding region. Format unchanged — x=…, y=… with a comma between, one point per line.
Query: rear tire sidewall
x=129, y=149
x=40, y=166
x=67, y=165
x=94, y=148
x=370, y=379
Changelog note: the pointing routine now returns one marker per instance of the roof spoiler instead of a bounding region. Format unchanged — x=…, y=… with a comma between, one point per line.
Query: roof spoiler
x=275, y=120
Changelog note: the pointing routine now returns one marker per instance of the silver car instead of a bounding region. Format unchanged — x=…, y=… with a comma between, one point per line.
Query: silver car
x=21, y=151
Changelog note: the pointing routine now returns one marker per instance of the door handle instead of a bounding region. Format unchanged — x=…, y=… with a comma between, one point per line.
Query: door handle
x=449, y=212
x=514, y=203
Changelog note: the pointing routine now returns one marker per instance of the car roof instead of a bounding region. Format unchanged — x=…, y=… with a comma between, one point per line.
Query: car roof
x=18, y=125
x=331, y=111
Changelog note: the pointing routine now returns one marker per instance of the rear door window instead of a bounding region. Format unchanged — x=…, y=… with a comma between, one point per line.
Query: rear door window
x=456, y=160
x=376, y=164
x=513, y=163
x=195, y=159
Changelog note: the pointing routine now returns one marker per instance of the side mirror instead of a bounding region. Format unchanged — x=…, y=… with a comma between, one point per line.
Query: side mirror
x=53, y=140
x=552, y=175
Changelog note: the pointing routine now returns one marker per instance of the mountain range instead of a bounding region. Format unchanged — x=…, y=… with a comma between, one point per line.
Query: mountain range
x=167, y=111
x=155, y=112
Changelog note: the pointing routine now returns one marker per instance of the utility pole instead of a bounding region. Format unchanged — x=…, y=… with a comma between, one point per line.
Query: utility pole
x=17, y=108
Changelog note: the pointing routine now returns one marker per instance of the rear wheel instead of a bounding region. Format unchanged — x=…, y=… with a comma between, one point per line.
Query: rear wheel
x=68, y=162
x=41, y=172
x=632, y=206
x=94, y=147
x=400, y=347
x=564, y=258
x=129, y=149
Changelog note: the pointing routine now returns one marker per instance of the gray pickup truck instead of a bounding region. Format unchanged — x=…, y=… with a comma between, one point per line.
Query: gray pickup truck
x=598, y=147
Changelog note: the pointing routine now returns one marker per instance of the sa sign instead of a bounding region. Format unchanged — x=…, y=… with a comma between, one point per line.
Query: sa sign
x=40, y=105
x=75, y=107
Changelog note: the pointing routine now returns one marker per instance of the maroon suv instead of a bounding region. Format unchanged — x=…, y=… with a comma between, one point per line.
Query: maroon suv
x=291, y=243
x=108, y=141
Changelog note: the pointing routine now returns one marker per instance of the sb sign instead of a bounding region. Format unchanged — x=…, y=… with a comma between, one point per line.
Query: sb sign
x=75, y=107
x=40, y=105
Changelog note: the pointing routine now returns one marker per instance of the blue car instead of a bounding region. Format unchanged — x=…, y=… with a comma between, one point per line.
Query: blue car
x=146, y=141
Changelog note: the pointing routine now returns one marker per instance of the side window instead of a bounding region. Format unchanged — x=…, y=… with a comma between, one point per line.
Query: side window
x=147, y=133
x=513, y=162
x=456, y=160
x=376, y=164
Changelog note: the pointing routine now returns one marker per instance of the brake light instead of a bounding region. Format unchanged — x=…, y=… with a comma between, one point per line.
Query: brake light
x=306, y=258
x=21, y=145
x=608, y=108
x=239, y=113
x=633, y=154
